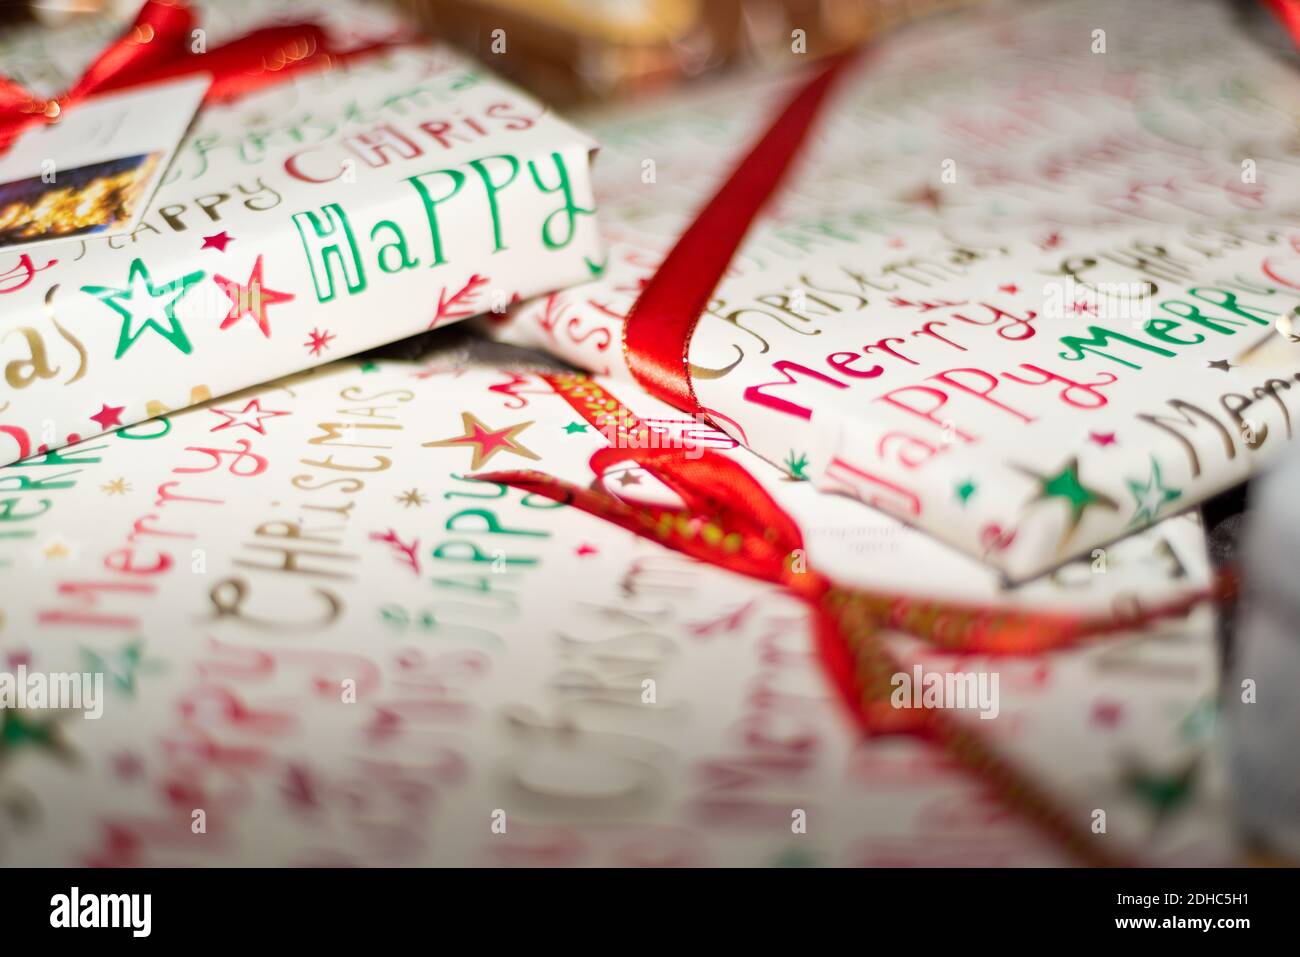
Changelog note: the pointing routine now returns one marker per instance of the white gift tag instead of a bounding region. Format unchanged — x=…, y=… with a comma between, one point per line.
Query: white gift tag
x=94, y=171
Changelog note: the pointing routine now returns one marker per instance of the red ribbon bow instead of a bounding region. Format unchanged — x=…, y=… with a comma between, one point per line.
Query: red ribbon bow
x=729, y=520
x=159, y=46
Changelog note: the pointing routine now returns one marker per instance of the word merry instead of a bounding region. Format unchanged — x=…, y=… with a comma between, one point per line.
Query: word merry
x=1251, y=432
x=1170, y=331
x=31, y=502
x=136, y=566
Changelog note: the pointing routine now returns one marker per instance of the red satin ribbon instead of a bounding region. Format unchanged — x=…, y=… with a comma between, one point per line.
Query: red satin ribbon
x=658, y=330
x=729, y=520
x=157, y=46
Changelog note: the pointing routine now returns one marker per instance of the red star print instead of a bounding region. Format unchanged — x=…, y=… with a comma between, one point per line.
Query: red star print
x=1107, y=713
x=926, y=196
x=318, y=341
x=486, y=441
x=583, y=550
x=1102, y=438
x=1051, y=242
x=127, y=765
x=924, y=305
x=1078, y=307
x=1010, y=289
x=109, y=416
x=250, y=416
x=993, y=538
x=217, y=241
x=250, y=299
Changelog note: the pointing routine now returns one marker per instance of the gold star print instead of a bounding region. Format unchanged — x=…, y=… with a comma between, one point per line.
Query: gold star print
x=411, y=497
x=57, y=550
x=925, y=195
x=20, y=729
x=118, y=486
x=487, y=441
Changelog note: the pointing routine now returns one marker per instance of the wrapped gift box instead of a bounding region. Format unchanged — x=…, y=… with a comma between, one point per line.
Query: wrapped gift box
x=322, y=642
x=314, y=219
x=1030, y=286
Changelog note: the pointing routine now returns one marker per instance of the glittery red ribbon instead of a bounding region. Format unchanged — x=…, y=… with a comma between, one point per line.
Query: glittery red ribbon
x=729, y=520
x=158, y=46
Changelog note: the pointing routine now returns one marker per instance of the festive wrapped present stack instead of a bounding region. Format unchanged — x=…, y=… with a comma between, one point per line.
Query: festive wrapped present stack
x=891, y=558
x=1030, y=285
x=340, y=188
x=323, y=641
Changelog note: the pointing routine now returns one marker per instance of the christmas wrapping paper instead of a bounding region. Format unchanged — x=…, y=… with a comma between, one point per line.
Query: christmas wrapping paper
x=312, y=220
x=322, y=643
x=1029, y=288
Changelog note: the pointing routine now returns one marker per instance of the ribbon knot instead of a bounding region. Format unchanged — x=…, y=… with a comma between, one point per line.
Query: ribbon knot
x=159, y=46
x=729, y=520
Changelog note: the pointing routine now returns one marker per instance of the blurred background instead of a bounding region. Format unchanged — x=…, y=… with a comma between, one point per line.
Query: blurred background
x=573, y=51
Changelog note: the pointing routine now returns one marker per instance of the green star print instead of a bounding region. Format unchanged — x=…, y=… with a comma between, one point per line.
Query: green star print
x=1151, y=496
x=141, y=302
x=122, y=668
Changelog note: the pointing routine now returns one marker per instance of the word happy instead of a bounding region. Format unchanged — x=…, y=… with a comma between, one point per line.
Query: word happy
x=103, y=910
x=951, y=689
x=341, y=259
x=61, y=691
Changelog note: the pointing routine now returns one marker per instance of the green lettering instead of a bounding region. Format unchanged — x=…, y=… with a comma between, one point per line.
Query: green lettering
x=1102, y=337
x=321, y=236
x=431, y=204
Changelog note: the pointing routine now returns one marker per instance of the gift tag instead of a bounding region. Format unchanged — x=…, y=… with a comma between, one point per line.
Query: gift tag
x=94, y=171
